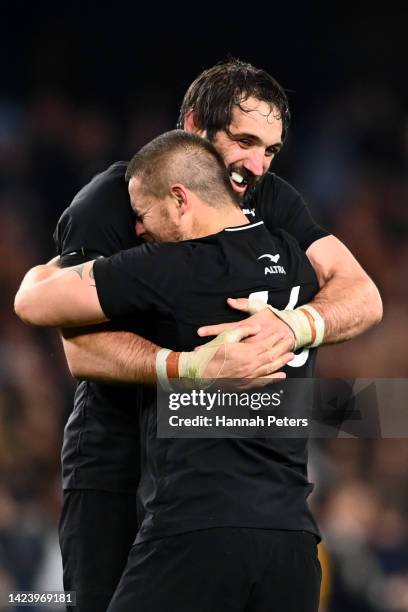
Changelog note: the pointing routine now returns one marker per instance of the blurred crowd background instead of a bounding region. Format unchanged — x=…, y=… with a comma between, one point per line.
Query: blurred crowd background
x=86, y=84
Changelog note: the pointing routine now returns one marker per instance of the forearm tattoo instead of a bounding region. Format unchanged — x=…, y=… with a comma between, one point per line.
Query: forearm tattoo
x=92, y=277
x=78, y=270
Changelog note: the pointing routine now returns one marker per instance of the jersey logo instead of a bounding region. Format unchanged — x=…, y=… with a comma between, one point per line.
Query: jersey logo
x=272, y=269
x=249, y=211
x=274, y=258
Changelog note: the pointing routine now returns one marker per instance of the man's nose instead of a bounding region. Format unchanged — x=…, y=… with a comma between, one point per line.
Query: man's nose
x=256, y=163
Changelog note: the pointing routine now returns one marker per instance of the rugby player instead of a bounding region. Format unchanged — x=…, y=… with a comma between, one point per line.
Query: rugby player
x=226, y=522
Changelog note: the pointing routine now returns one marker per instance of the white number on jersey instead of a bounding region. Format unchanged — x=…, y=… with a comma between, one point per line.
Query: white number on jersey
x=262, y=296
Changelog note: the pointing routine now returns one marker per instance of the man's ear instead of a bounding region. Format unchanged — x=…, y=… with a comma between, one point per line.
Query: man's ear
x=181, y=194
x=190, y=125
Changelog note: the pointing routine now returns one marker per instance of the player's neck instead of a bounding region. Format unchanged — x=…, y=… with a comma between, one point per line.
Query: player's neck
x=217, y=219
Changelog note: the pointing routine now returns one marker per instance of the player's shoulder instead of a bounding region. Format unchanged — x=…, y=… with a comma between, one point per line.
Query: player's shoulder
x=277, y=202
x=298, y=263
x=102, y=186
x=175, y=259
x=166, y=252
x=277, y=236
x=289, y=241
x=100, y=218
x=272, y=186
x=155, y=265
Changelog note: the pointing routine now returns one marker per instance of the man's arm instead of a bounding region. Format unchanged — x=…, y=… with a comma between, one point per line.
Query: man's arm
x=109, y=356
x=43, y=300
x=348, y=300
x=95, y=352
x=124, y=357
x=52, y=297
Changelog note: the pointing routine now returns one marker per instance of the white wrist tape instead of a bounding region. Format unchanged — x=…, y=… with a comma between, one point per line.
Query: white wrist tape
x=161, y=368
x=192, y=364
x=305, y=322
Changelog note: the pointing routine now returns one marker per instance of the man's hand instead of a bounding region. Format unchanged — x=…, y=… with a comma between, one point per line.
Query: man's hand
x=243, y=360
x=226, y=358
x=272, y=331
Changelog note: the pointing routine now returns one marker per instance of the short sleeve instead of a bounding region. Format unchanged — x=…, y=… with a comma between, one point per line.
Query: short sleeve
x=142, y=279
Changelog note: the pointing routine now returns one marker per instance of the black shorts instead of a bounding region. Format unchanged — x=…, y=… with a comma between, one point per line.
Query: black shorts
x=97, y=530
x=222, y=570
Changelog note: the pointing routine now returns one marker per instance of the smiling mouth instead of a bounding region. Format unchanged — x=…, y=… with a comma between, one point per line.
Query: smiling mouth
x=238, y=181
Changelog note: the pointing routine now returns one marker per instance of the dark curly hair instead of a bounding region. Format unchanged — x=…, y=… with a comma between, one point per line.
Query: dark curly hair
x=215, y=92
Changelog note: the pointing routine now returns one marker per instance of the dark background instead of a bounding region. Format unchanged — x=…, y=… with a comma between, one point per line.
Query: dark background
x=84, y=84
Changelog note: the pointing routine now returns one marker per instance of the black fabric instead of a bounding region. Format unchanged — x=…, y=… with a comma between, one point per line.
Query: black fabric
x=222, y=570
x=97, y=529
x=100, y=441
x=185, y=284
x=101, y=448
x=280, y=205
x=195, y=484
x=99, y=220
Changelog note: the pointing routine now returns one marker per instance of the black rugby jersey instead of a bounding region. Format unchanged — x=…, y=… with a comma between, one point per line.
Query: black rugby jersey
x=190, y=484
x=100, y=449
x=278, y=204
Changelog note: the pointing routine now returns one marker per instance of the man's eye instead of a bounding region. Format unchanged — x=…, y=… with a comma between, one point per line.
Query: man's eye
x=244, y=142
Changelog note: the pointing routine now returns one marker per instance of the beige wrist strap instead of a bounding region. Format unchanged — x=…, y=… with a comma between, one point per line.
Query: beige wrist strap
x=306, y=323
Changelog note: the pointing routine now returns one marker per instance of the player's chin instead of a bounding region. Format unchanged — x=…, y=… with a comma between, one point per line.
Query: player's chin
x=249, y=192
x=245, y=192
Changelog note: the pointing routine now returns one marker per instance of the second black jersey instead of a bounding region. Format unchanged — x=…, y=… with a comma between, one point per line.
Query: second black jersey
x=101, y=437
x=202, y=483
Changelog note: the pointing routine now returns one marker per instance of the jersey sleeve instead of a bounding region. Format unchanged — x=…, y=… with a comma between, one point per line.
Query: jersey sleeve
x=281, y=206
x=141, y=279
x=99, y=221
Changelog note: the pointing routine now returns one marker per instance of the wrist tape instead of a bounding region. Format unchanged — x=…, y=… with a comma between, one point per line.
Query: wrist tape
x=191, y=365
x=306, y=323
